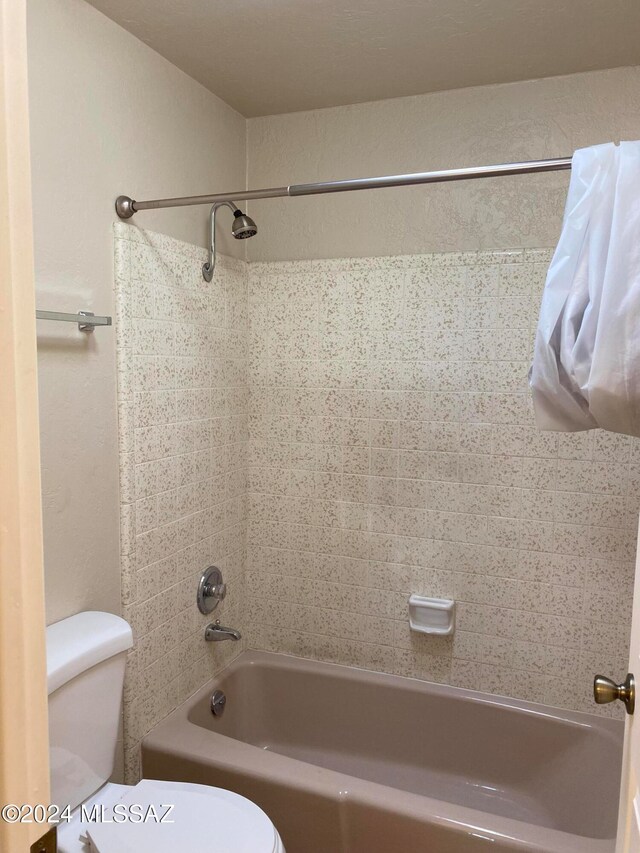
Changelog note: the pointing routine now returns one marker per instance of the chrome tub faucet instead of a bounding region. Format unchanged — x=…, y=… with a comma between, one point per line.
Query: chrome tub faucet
x=215, y=633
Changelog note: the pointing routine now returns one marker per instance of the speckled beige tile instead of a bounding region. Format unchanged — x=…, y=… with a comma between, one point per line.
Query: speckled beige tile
x=393, y=450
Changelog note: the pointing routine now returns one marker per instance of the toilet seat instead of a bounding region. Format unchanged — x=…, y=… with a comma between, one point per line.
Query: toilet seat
x=204, y=820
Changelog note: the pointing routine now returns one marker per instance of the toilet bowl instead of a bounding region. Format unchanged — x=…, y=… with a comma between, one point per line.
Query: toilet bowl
x=86, y=656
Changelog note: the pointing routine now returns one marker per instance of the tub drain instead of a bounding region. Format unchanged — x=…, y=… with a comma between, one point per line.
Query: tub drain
x=218, y=701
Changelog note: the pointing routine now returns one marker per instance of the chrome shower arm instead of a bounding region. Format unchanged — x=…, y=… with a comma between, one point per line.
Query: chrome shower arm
x=230, y=204
x=209, y=267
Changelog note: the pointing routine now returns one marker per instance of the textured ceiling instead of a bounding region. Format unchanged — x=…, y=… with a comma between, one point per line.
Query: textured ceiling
x=275, y=56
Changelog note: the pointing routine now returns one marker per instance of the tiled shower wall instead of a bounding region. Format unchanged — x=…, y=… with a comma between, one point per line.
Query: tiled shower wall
x=344, y=434
x=183, y=402
x=393, y=450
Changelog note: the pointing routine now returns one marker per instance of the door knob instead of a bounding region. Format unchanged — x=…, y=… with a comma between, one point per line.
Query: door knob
x=605, y=690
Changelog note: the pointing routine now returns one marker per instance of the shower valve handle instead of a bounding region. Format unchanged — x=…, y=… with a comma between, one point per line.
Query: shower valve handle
x=211, y=590
x=215, y=591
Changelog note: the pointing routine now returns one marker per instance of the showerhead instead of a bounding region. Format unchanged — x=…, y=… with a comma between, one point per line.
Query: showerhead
x=243, y=226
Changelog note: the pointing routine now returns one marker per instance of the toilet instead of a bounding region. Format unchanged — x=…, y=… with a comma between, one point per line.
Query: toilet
x=86, y=656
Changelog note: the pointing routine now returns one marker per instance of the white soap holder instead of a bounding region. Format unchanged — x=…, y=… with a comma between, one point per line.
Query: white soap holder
x=432, y=615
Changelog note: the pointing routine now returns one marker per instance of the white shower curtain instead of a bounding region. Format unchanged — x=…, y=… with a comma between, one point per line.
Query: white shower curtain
x=586, y=364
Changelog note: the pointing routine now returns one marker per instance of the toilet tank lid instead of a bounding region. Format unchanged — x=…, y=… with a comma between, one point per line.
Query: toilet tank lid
x=76, y=644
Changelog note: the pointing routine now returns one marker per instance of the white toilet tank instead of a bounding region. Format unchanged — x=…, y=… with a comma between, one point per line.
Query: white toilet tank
x=86, y=657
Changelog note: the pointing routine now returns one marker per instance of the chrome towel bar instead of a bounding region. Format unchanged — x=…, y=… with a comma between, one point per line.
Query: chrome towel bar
x=86, y=320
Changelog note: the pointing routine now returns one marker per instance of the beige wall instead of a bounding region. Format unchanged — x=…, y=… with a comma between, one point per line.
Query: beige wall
x=108, y=115
x=491, y=124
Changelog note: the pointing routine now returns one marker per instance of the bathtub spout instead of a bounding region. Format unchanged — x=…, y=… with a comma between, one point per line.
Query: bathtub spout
x=215, y=633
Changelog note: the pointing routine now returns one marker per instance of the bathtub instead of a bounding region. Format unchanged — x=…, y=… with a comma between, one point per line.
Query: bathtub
x=349, y=761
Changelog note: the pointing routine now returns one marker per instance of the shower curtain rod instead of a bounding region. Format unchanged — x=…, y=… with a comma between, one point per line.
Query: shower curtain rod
x=126, y=207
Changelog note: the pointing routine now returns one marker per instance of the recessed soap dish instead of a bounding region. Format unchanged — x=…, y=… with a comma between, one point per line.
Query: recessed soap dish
x=432, y=615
